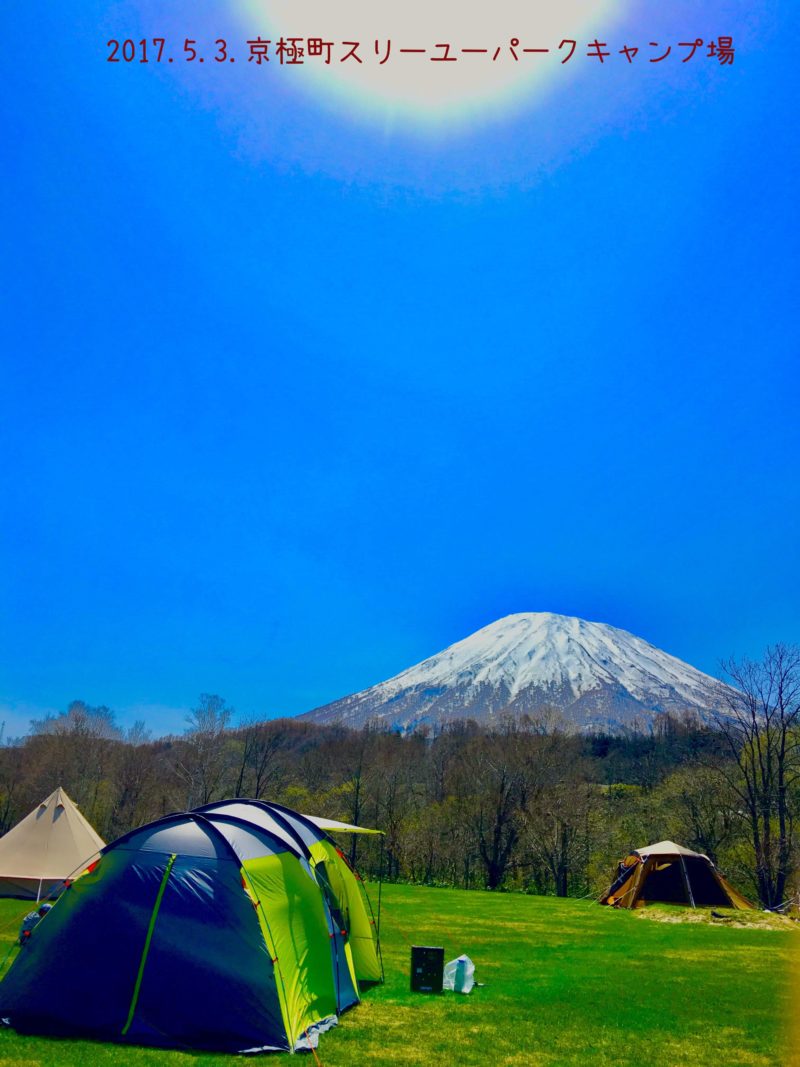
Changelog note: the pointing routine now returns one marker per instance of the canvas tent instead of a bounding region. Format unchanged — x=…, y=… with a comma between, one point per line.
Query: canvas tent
x=203, y=930
x=667, y=873
x=46, y=847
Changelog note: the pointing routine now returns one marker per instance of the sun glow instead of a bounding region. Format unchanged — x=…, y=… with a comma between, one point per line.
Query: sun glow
x=416, y=87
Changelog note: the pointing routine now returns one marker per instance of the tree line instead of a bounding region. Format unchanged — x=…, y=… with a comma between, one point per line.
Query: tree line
x=528, y=804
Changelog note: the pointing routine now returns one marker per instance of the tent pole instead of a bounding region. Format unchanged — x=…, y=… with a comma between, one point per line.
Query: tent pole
x=39, y=892
x=686, y=883
x=380, y=888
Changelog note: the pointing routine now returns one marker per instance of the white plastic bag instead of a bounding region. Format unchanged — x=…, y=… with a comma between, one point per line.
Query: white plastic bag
x=459, y=975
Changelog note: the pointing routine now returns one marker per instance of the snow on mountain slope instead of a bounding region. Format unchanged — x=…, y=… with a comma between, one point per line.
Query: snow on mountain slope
x=596, y=675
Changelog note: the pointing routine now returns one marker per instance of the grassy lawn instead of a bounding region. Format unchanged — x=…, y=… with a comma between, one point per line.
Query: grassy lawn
x=566, y=982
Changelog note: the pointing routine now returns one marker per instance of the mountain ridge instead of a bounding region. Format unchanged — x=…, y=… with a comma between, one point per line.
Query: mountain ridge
x=595, y=675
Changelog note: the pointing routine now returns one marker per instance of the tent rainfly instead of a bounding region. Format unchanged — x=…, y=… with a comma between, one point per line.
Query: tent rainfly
x=47, y=846
x=666, y=873
x=230, y=928
x=349, y=897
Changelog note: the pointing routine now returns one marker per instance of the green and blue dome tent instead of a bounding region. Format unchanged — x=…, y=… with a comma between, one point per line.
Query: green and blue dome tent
x=197, y=931
x=343, y=886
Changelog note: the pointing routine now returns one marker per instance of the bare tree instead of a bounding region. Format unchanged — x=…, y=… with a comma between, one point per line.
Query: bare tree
x=78, y=746
x=134, y=766
x=259, y=744
x=762, y=731
x=355, y=766
x=556, y=804
x=203, y=761
x=495, y=769
x=11, y=771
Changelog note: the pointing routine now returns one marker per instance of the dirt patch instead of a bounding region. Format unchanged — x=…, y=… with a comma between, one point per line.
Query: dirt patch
x=741, y=920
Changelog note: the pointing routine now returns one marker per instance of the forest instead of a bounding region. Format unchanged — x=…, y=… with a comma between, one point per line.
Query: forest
x=528, y=804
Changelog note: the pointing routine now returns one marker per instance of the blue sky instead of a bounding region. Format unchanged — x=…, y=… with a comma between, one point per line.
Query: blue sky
x=293, y=398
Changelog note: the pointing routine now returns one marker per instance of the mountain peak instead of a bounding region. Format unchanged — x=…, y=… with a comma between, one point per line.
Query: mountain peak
x=597, y=675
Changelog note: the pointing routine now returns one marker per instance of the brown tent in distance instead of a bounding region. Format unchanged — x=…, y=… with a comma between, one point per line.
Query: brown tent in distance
x=46, y=847
x=666, y=873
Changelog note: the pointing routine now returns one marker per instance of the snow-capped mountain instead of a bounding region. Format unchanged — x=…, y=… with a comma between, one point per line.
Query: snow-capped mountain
x=596, y=676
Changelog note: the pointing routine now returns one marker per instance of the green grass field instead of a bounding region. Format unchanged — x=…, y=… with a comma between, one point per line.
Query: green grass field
x=565, y=982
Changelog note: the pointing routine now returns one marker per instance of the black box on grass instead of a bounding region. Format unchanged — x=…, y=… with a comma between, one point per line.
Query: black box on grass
x=427, y=969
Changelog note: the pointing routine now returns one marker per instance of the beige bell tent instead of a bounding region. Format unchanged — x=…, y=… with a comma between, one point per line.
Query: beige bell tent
x=666, y=873
x=46, y=847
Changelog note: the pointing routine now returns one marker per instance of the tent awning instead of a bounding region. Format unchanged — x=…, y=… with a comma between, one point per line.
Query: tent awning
x=331, y=825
